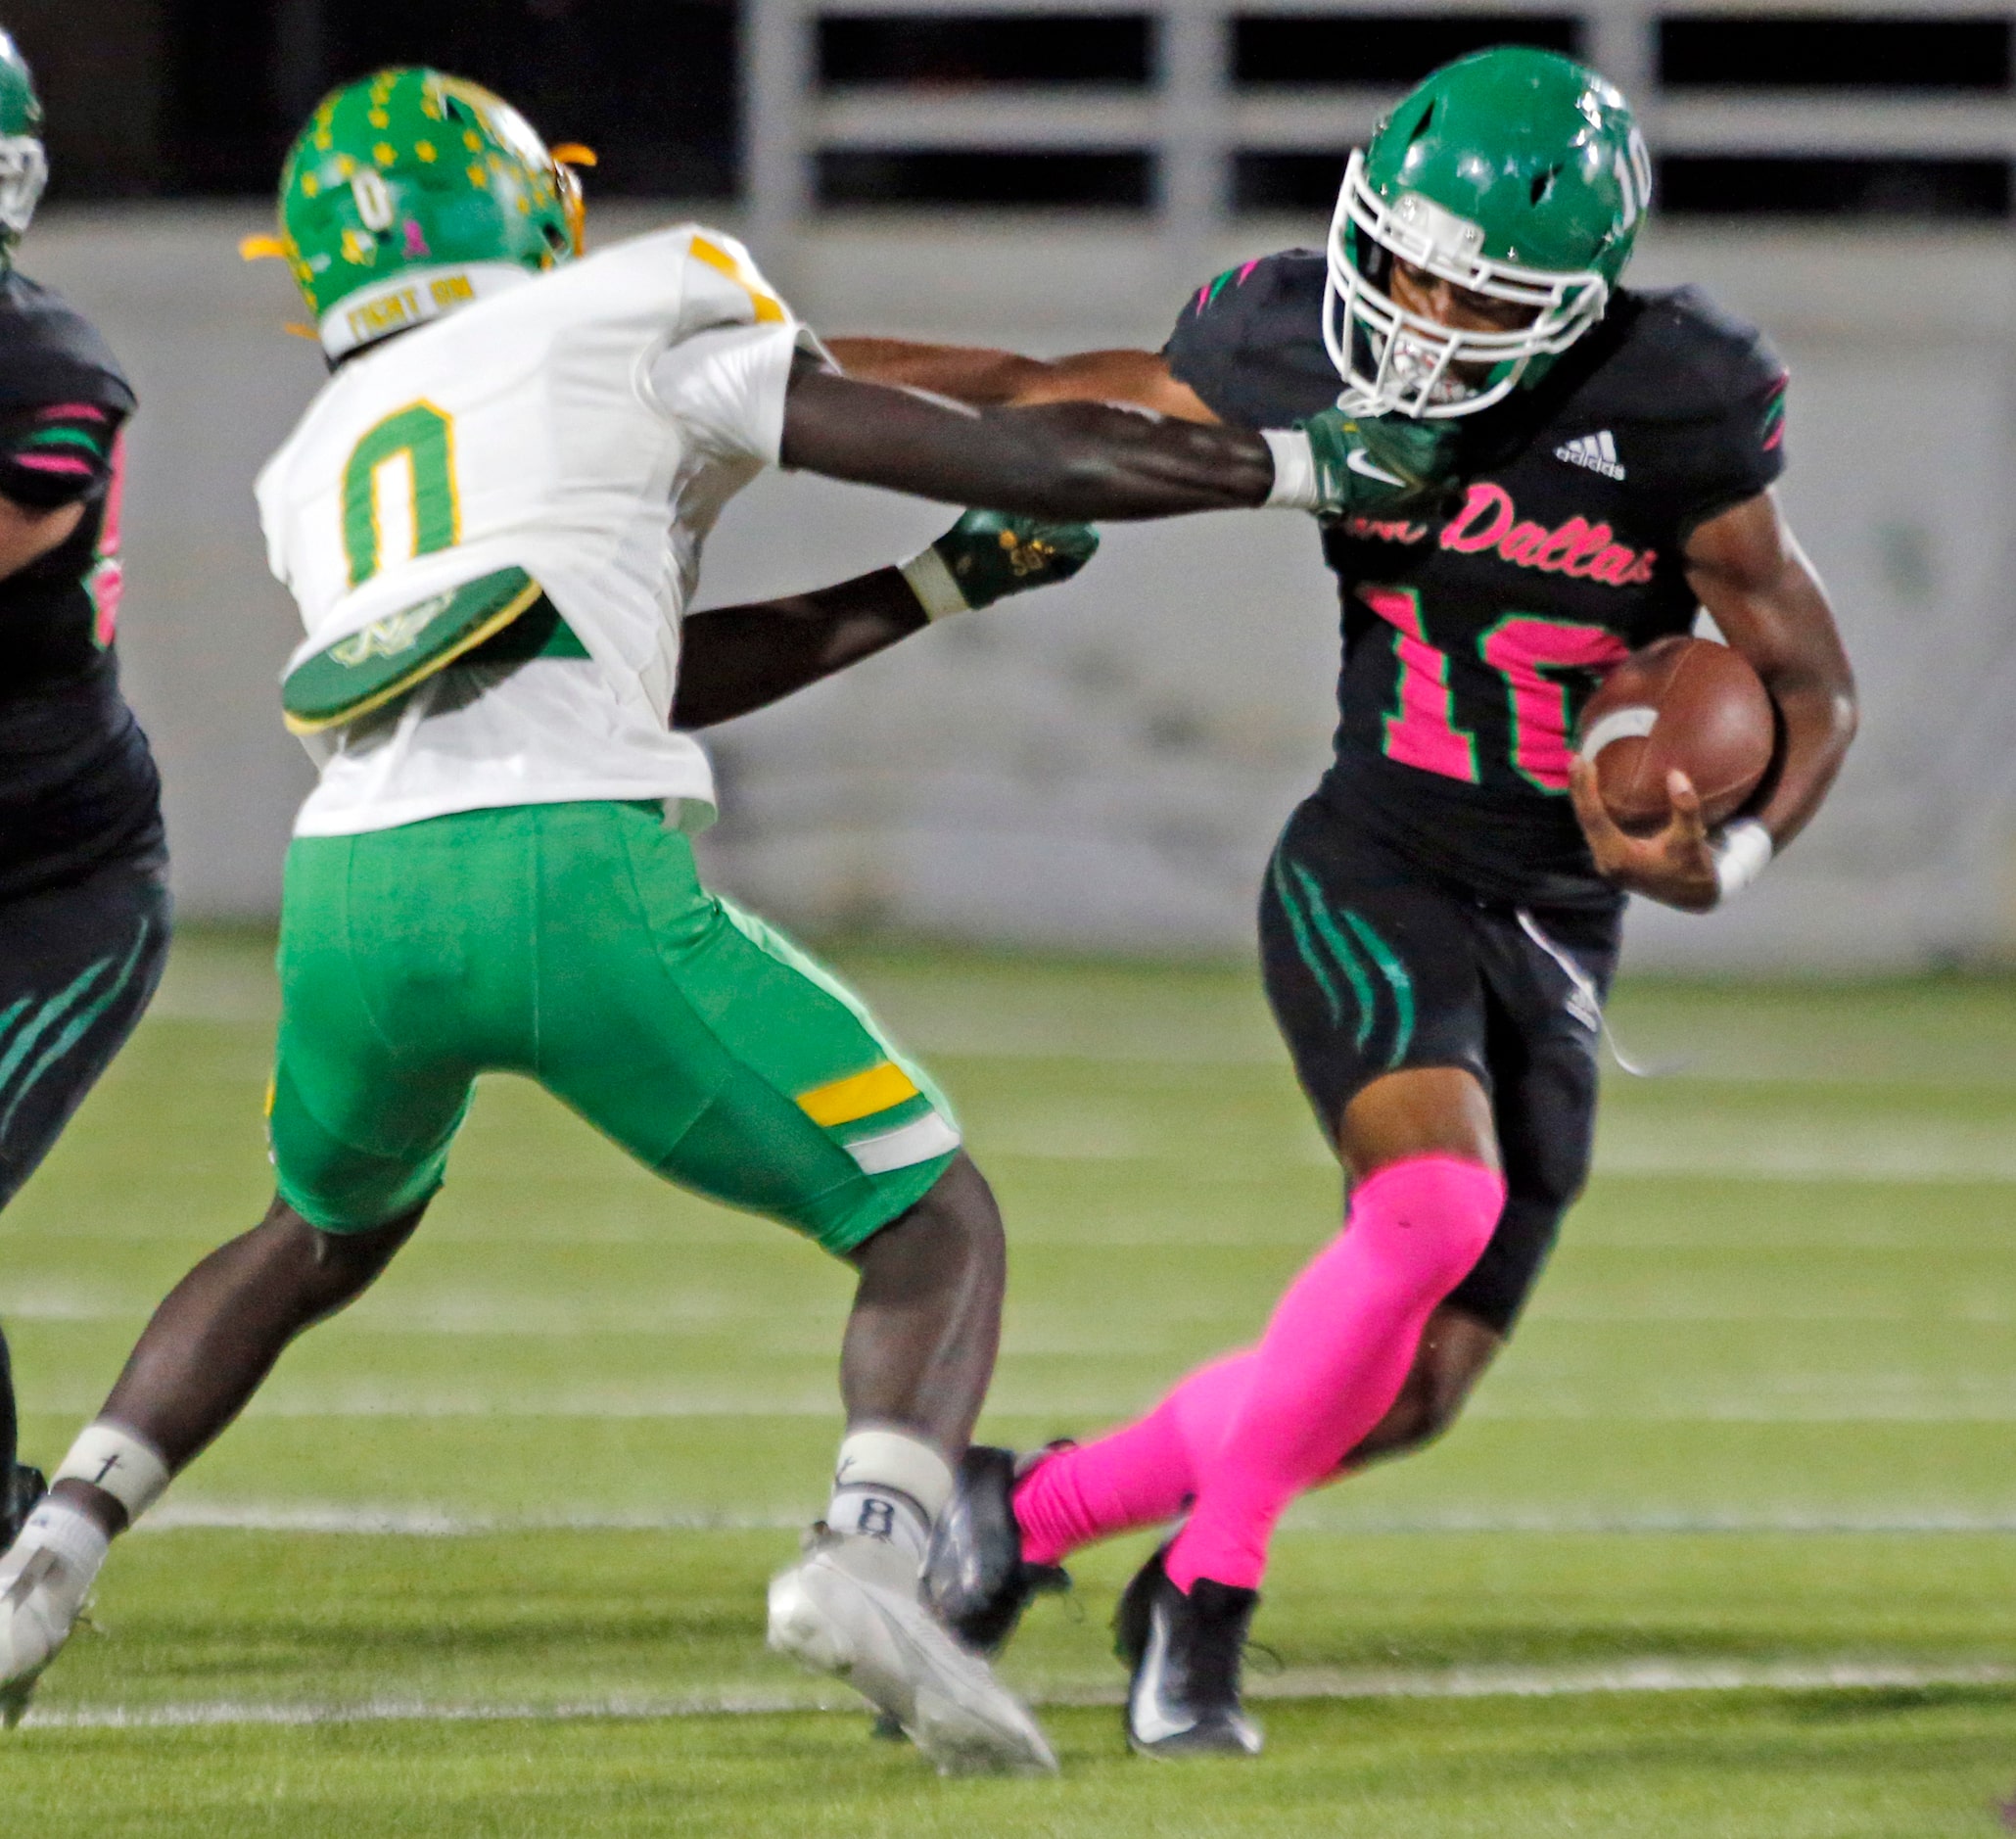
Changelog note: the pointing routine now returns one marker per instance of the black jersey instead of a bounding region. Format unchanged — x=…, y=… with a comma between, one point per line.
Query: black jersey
x=1475, y=630
x=78, y=784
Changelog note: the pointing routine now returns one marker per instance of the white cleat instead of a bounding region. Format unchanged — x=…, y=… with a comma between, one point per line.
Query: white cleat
x=850, y=1608
x=44, y=1578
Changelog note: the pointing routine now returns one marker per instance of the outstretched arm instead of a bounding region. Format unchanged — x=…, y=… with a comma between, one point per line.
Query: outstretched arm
x=738, y=659
x=991, y=379
x=1750, y=574
x=1078, y=460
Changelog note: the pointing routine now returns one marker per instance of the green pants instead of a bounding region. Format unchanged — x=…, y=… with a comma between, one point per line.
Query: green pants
x=574, y=944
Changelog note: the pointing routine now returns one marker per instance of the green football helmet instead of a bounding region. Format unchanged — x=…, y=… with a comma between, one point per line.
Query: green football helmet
x=1517, y=175
x=411, y=193
x=23, y=165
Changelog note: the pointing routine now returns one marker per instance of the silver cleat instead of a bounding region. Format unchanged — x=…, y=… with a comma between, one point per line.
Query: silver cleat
x=850, y=1608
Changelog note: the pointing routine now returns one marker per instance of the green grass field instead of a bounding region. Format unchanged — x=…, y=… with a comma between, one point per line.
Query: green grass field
x=1723, y=1548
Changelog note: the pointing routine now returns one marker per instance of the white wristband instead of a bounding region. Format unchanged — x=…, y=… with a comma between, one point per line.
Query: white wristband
x=933, y=583
x=1294, y=470
x=127, y=1468
x=1742, y=853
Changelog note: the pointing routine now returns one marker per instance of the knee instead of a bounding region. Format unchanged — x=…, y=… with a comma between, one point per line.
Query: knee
x=327, y=1270
x=953, y=1234
x=1426, y=1408
x=1455, y=1349
x=1441, y=1210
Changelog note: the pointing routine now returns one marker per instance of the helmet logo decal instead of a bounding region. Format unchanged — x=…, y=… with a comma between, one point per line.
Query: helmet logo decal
x=1634, y=178
x=373, y=197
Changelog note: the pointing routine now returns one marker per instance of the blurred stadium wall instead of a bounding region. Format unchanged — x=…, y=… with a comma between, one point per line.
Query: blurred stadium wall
x=1106, y=766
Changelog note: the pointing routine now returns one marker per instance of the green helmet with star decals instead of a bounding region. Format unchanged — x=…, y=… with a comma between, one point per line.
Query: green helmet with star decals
x=23, y=165
x=1516, y=174
x=411, y=193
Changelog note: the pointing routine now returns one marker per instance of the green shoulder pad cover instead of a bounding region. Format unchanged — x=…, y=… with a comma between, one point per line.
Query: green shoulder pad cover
x=368, y=669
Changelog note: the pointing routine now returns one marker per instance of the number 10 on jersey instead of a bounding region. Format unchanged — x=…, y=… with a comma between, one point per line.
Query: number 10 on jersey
x=1524, y=649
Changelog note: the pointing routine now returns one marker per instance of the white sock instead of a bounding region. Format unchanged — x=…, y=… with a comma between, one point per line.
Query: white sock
x=889, y=1486
x=64, y=1548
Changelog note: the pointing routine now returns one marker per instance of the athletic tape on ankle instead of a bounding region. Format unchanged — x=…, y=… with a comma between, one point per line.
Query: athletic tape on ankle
x=932, y=582
x=1294, y=470
x=124, y=1466
x=891, y=1459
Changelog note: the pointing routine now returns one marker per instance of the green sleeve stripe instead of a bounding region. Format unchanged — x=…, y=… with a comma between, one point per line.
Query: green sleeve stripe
x=65, y=436
x=1340, y=950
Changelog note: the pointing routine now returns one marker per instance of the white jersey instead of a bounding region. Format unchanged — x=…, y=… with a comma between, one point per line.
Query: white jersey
x=585, y=426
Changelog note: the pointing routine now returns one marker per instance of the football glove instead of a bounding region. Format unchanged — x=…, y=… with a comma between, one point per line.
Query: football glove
x=1364, y=464
x=988, y=555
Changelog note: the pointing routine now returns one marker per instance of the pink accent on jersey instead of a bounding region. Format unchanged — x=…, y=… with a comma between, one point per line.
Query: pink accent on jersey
x=73, y=411
x=1524, y=647
x=54, y=463
x=1578, y=548
x=105, y=584
x=1336, y=1356
x=416, y=241
x=1140, y=1475
x=1376, y=529
x=1424, y=733
x=1248, y=269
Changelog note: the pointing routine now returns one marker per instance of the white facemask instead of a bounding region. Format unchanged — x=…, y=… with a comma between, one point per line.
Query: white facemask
x=23, y=171
x=1407, y=363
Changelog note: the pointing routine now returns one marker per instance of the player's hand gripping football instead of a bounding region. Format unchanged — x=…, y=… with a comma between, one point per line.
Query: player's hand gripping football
x=1369, y=463
x=991, y=555
x=1674, y=864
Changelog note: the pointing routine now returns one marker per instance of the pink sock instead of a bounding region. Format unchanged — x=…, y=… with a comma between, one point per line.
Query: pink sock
x=1137, y=1475
x=1334, y=1356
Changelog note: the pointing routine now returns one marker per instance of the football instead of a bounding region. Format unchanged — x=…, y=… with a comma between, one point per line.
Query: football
x=1689, y=703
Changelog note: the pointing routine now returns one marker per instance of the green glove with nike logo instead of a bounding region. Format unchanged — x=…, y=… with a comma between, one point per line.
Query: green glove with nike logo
x=988, y=555
x=1339, y=464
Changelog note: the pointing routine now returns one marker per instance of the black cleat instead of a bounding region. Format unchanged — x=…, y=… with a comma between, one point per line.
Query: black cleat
x=975, y=1580
x=18, y=1493
x=1185, y=1654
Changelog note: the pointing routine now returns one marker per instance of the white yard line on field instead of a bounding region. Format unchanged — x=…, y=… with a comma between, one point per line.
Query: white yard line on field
x=1630, y=1676
x=433, y=1522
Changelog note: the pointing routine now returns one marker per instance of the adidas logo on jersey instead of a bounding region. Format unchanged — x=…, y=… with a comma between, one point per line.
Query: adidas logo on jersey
x=1595, y=453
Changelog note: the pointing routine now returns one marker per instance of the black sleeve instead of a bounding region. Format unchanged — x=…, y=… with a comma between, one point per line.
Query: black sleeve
x=59, y=454
x=1250, y=342
x=1729, y=385
x=1735, y=457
